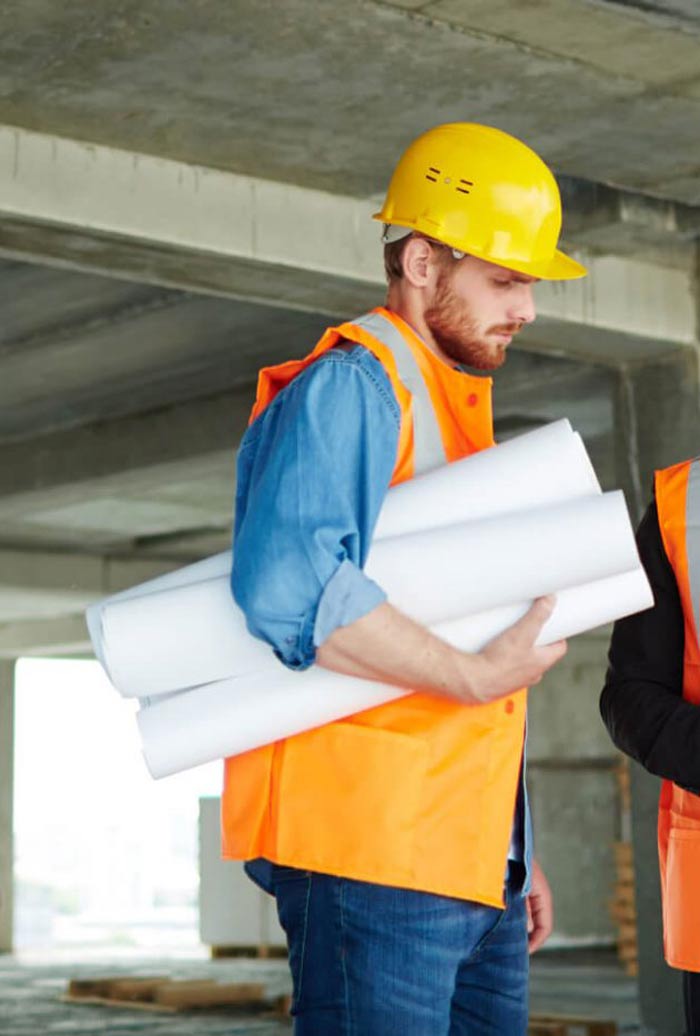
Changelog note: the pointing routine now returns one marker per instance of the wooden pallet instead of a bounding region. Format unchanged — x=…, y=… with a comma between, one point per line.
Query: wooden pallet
x=622, y=905
x=160, y=993
x=260, y=952
x=569, y=1025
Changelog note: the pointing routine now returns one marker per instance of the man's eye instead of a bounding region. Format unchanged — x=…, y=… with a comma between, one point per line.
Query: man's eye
x=503, y=284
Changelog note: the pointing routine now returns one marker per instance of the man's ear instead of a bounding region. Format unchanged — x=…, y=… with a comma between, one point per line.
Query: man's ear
x=416, y=261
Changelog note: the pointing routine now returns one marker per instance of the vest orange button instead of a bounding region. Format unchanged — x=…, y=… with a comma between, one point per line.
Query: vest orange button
x=509, y=707
x=472, y=399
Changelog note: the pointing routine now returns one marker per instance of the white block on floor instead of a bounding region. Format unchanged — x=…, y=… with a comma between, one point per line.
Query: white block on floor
x=232, y=910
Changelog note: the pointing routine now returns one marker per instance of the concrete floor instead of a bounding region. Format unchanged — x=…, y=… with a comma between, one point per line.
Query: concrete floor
x=587, y=984
x=590, y=984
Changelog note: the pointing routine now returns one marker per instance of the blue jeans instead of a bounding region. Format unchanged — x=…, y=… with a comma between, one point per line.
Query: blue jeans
x=369, y=960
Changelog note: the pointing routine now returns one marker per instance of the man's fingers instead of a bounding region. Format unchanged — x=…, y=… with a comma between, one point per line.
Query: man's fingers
x=551, y=654
x=529, y=626
x=536, y=938
x=513, y=659
x=540, y=910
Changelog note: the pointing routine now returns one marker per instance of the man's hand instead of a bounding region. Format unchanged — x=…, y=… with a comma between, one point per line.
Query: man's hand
x=512, y=660
x=540, y=914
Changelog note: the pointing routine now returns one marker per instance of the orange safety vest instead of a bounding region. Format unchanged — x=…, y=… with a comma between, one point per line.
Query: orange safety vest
x=418, y=793
x=678, y=504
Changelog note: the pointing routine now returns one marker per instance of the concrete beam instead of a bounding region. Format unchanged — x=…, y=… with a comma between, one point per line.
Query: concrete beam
x=622, y=300
x=124, y=455
x=102, y=486
x=607, y=220
x=589, y=205
x=92, y=188
x=67, y=635
x=166, y=222
x=7, y=726
x=71, y=580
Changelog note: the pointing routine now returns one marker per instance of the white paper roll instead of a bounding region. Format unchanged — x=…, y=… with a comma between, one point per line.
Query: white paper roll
x=542, y=467
x=193, y=634
x=578, y=609
x=233, y=716
x=179, y=637
x=546, y=465
x=462, y=569
x=208, y=568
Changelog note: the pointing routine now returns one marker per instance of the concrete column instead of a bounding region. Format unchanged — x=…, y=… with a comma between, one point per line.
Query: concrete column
x=657, y=424
x=7, y=694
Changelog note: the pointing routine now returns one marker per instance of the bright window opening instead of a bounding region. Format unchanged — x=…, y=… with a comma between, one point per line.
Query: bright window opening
x=105, y=857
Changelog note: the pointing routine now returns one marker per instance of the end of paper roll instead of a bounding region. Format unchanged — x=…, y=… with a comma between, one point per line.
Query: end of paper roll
x=581, y=609
x=93, y=621
x=158, y=774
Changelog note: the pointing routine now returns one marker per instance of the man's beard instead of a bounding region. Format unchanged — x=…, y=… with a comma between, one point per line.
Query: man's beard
x=455, y=330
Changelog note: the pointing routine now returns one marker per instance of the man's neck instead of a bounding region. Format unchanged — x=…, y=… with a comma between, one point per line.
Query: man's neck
x=411, y=309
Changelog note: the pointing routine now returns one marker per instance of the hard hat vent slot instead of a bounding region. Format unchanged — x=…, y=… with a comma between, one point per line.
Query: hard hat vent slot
x=463, y=190
x=432, y=174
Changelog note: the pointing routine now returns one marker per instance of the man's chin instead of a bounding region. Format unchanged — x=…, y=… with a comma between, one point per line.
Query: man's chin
x=484, y=354
x=487, y=358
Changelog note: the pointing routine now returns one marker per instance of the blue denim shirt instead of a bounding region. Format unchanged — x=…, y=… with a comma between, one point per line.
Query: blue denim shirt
x=313, y=471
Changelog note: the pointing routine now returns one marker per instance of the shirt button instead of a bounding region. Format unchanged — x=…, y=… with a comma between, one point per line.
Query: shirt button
x=472, y=399
x=509, y=707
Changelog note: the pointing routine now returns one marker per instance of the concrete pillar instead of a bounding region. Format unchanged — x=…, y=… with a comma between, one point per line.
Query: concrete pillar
x=573, y=791
x=7, y=694
x=657, y=424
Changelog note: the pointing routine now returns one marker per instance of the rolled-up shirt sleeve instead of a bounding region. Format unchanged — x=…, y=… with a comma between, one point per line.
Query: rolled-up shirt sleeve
x=313, y=471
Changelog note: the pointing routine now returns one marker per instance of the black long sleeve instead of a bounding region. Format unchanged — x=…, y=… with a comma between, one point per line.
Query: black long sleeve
x=642, y=704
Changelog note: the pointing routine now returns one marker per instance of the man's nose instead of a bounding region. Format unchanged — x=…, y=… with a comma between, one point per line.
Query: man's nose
x=523, y=310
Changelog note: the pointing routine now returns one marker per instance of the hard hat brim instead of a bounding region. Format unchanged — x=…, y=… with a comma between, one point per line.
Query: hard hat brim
x=563, y=268
x=560, y=267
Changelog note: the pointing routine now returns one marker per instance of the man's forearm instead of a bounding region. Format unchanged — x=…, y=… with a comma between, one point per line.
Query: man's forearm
x=387, y=645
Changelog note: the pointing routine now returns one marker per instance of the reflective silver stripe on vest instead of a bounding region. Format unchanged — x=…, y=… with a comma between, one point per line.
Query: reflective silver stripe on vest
x=692, y=539
x=429, y=450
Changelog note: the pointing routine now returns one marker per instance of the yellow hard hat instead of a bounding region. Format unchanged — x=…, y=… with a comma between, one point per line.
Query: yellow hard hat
x=482, y=192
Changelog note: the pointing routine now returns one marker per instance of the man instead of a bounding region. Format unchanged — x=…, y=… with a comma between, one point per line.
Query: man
x=397, y=842
x=650, y=706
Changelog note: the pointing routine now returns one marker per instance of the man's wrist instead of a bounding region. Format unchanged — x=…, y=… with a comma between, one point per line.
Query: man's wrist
x=471, y=679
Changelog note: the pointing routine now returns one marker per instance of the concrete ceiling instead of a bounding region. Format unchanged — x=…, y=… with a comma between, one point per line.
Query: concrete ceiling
x=122, y=396
x=75, y=348
x=98, y=373
x=326, y=94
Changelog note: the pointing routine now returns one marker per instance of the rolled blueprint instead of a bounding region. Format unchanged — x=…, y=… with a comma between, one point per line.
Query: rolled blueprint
x=233, y=716
x=207, y=568
x=194, y=634
x=578, y=609
x=538, y=468
x=544, y=466
x=462, y=569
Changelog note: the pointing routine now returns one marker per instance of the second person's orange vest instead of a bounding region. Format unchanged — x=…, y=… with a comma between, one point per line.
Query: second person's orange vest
x=678, y=505
x=418, y=793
